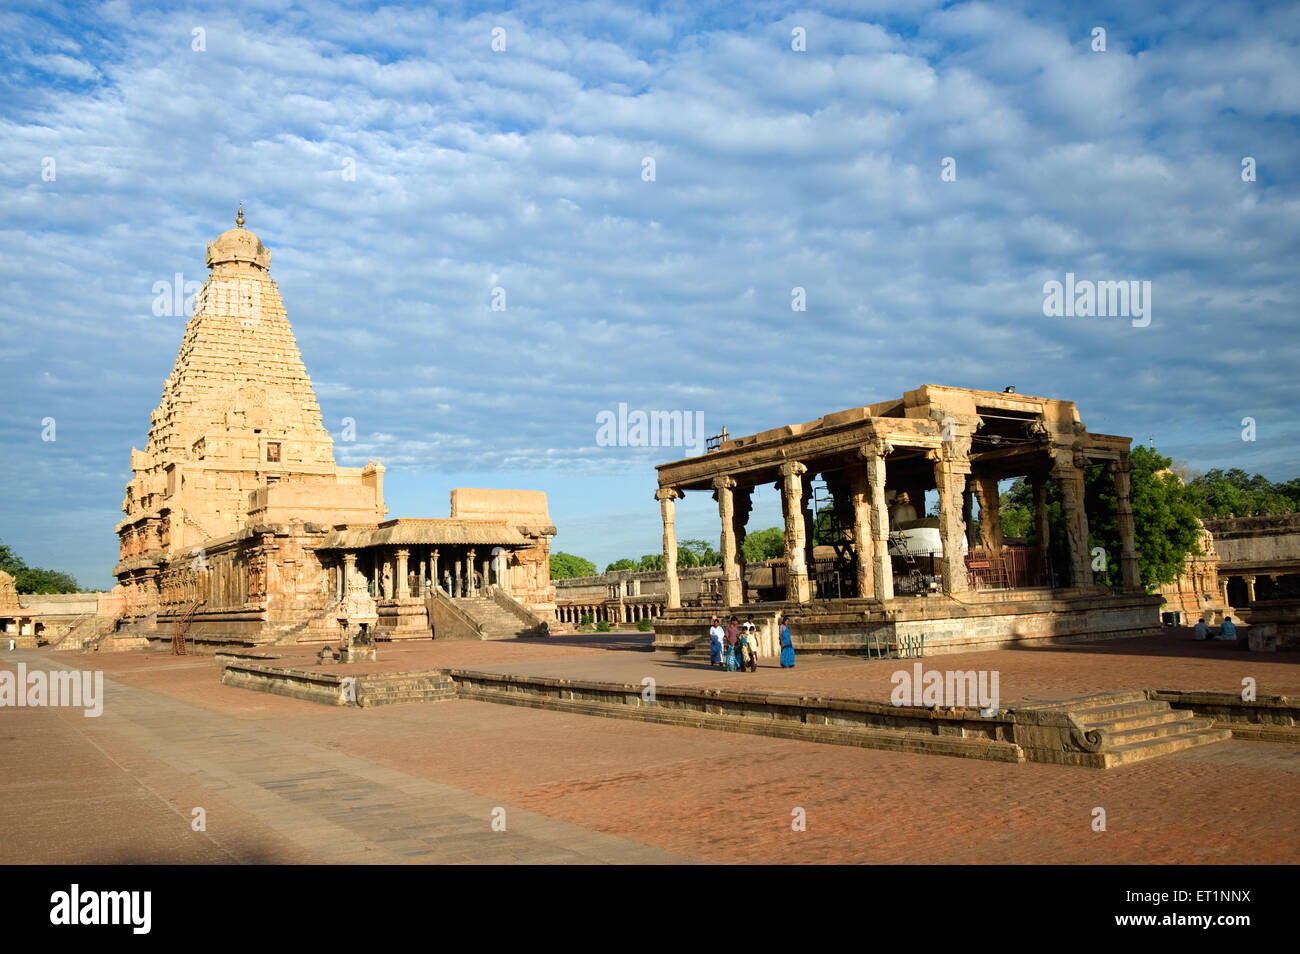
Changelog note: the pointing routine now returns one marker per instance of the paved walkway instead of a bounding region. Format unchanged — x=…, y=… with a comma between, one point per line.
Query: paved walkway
x=284, y=780
x=306, y=801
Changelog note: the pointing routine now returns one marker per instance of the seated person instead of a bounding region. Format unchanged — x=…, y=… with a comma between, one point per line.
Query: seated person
x=1202, y=629
x=1228, y=630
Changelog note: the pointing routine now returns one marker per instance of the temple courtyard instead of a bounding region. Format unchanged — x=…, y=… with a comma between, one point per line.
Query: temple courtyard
x=288, y=780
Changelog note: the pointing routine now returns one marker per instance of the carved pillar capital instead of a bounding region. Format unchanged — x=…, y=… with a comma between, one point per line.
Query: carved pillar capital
x=724, y=483
x=664, y=494
x=792, y=468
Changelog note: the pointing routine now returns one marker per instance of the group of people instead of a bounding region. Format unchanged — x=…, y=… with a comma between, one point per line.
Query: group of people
x=1228, y=631
x=735, y=646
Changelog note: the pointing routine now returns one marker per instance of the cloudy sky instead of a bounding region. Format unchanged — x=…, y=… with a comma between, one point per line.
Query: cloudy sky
x=400, y=169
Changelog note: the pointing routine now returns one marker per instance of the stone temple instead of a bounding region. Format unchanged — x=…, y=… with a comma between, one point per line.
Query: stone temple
x=891, y=573
x=240, y=527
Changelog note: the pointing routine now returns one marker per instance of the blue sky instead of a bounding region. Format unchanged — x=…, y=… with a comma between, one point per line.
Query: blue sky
x=522, y=169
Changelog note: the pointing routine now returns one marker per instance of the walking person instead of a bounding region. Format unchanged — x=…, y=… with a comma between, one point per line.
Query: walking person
x=716, y=633
x=787, y=645
x=732, y=639
x=749, y=644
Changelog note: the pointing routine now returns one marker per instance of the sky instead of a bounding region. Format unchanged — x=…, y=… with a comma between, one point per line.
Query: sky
x=492, y=223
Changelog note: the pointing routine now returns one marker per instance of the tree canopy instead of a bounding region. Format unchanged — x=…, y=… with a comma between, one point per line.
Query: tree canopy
x=30, y=579
x=1165, y=525
x=763, y=545
x=566, y=565
x=1222, y=493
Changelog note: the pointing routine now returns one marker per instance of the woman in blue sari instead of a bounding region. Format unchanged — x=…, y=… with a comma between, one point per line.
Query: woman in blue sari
x=787, y=645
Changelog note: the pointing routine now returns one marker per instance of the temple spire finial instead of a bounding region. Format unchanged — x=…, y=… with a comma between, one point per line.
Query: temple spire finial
x=239, y=219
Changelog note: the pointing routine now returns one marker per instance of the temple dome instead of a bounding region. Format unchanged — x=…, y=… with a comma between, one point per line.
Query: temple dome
x=238, y=245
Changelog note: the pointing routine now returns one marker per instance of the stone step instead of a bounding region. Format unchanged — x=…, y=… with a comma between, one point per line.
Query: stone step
x=386, y=696
x=1140, y=720
x=1121, y=710
x=1166, y=745
x=407, y=687
x=1159, y=730
x=1100, y=699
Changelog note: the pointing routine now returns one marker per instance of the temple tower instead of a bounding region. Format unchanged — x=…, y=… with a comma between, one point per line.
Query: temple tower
x=238, y=415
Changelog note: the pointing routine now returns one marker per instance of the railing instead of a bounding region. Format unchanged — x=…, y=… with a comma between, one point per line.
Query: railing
x=448, y=620
x=68, y=632
x=1017, y=568
x=181, y=626
x=508, y=603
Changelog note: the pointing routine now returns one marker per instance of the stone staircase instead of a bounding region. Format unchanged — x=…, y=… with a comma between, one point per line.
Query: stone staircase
x=320, y=626
x=698, y=651
x=74, y=634
x=405, y=687
x=496, y=621
x=1137, y=728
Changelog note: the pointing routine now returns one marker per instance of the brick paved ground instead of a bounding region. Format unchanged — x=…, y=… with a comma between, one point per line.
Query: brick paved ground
x=289, y=781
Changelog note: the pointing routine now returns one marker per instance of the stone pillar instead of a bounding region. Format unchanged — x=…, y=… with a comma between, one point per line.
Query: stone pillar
x=1130, y=575
x=860, y=496
x=951, y=468
x=458, y=588
x=349, y=568
x=469, y=574
x=433, y=568
x=1223, y=589
x=722, y=493
x=1250, y=590
x=403, y=586
x=967, y=510
x=796, y=566
x=744, y=503
x=882, y=567
x=667, y=497
x=1068, y=471
x=424, y=566
x=986, y=492
x=1042, y=526
x=486, y=578
x=809, y=525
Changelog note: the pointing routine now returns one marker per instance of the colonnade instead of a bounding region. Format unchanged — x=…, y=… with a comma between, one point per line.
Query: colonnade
x=950, y=465
x=608, y=612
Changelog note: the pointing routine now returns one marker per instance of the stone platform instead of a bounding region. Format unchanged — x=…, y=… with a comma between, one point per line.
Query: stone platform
x=993, y=619
x=1100, y=729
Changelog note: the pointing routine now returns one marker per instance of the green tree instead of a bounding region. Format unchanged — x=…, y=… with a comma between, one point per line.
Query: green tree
x=33, y=580
x=623, y=564
x=10, y=562
x=1016, y=510
x=1220, y=493
x=651, y=561
x=1164, y=518
x=697, y=553
x=763, y=545
x=565, y=566
x=30, y=579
